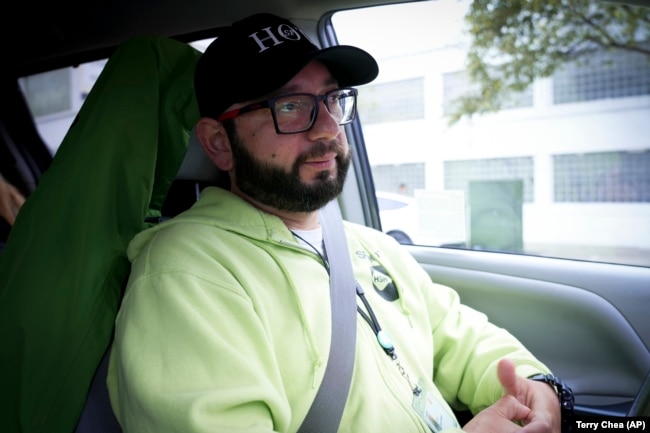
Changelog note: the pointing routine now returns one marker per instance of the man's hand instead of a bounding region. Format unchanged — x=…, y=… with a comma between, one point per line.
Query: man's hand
x=527, y=407
x=499, y=418
x=544, y=415
x=10, y=201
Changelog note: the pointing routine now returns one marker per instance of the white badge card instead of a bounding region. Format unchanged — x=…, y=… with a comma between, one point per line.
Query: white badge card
x=432, y=412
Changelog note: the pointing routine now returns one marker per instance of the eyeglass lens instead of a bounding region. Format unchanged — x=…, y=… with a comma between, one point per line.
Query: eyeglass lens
x=297, y=112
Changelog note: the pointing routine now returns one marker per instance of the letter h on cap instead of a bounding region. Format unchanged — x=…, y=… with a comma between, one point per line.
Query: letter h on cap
x=284, y=31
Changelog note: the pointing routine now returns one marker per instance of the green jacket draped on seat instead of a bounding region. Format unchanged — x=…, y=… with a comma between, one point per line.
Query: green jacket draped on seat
x=62, y=270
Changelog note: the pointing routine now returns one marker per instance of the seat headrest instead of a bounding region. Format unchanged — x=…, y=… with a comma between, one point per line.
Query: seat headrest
x=196, y=165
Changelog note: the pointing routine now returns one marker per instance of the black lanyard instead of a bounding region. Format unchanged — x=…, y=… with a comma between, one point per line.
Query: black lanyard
x=383, y=338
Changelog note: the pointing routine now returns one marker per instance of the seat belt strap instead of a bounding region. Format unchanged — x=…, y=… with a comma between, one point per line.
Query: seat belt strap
x=325, y=413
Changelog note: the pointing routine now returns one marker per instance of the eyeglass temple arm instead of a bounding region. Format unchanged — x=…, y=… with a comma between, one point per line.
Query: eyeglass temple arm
x=236, y=112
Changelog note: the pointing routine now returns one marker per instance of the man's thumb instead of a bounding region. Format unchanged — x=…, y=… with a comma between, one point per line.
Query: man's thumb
x=508, y=377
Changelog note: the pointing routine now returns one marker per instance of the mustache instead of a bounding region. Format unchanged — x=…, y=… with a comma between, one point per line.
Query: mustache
x=321, y=148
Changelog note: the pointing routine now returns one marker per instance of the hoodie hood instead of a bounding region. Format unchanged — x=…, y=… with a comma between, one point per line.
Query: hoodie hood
x=221, y=208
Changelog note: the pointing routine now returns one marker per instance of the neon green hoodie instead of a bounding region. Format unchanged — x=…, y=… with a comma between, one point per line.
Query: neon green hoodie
x=225, y=326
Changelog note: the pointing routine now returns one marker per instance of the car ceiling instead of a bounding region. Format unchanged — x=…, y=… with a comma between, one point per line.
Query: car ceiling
x=43, y=35
x=54, y=34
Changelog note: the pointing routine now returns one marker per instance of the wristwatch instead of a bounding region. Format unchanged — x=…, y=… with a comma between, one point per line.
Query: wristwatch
x=564, y=394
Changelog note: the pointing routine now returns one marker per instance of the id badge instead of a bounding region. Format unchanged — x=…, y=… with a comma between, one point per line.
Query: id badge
x=432, y=412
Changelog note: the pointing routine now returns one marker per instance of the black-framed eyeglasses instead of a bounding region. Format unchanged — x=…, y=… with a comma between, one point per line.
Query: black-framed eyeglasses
x=296, y=112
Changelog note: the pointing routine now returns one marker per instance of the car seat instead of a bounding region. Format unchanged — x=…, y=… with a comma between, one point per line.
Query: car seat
x=195, y=173
x=64, y=265
x=23, y=154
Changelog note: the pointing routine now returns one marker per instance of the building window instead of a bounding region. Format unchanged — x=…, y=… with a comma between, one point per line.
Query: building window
x=458, y=174
x=392, y=102
x=600, y=75
x=398, y=178
x=458, y=84
x=602, y=177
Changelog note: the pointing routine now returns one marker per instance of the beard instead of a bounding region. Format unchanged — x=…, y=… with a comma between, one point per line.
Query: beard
x=282, y=190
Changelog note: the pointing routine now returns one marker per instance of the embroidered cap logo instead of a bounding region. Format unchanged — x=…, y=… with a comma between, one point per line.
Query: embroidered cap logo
x=284, y=31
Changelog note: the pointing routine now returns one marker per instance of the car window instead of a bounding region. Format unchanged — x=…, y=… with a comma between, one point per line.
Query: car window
x=559, y=167
x=54, y=97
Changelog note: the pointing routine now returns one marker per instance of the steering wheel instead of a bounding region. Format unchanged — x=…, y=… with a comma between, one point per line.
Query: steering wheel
x=641, y=404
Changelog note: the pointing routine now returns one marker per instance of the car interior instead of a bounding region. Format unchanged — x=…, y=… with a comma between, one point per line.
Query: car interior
x=132, y=160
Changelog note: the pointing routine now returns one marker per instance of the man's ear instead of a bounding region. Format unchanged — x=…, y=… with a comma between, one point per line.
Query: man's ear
x=215, y=143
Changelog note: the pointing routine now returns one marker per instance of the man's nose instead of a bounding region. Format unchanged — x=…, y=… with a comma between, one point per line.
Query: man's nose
x=325, y=125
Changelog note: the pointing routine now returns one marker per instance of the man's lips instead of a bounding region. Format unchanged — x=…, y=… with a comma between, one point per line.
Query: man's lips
x=322, y=162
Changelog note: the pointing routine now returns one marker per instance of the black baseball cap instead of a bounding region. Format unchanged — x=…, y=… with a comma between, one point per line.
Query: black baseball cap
x=260, y=54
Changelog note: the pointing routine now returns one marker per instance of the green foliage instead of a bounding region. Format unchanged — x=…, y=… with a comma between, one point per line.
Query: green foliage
x=515, y=42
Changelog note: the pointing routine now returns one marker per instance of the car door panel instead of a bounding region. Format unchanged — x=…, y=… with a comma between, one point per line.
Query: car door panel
x=585, y=320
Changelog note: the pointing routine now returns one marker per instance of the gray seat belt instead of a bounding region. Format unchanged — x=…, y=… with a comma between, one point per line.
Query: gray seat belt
x=325, y=413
